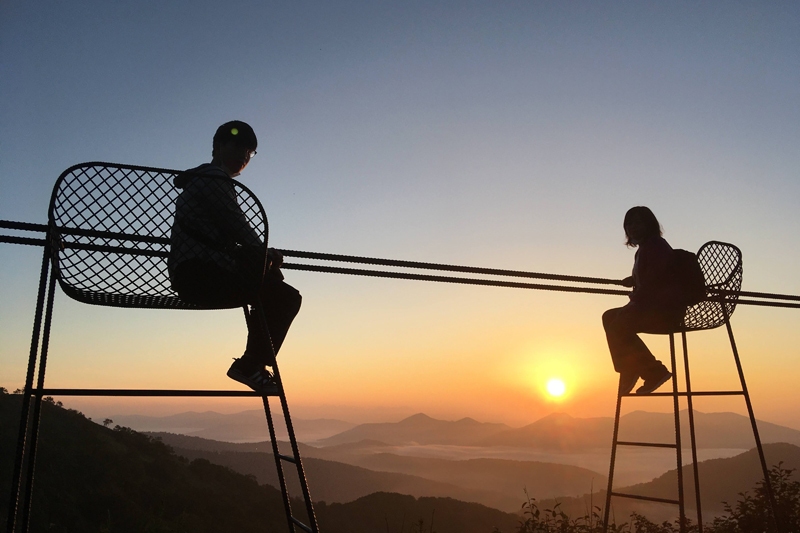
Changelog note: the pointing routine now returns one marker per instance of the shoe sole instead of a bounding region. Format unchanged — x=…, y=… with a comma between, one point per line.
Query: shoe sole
x=245, y=380
x=655, y=387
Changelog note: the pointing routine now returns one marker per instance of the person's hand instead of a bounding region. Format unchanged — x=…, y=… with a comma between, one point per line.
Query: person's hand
x=275, y=257
x=627, y=282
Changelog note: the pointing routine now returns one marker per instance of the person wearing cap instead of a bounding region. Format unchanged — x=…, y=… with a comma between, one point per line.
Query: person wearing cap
x=217, y=259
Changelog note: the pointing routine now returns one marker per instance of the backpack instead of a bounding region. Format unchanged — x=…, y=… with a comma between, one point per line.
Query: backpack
x=690, y=277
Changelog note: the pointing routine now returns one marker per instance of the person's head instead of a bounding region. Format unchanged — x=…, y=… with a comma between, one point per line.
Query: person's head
x=234, y=144
x=640, y=223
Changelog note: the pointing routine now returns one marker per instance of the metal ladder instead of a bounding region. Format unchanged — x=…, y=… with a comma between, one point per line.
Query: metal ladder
x=675, y=394
x=25, y=460
x=294, y=458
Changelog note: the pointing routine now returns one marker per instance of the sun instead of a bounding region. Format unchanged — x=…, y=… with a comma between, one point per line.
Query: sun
x=556, y=387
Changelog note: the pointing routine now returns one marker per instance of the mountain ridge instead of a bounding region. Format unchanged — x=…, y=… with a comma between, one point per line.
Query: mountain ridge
x=345, y=476
x=563, y=432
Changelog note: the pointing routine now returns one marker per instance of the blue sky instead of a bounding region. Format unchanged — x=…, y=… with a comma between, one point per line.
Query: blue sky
x=505, y=134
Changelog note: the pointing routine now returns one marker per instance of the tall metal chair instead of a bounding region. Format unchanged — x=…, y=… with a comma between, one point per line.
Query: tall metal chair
x=109, y=232
x=722, y=268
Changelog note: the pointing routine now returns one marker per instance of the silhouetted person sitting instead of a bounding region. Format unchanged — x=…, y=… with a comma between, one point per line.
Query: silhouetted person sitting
x=218, y=259
x=656, y=305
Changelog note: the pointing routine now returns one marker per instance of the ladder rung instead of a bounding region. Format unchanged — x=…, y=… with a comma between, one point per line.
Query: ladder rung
x=701, y=393
x=301, y=525
x=646, y=498
x=149, y=392
x=287, y=458
x=718, y=393
x=649, y=444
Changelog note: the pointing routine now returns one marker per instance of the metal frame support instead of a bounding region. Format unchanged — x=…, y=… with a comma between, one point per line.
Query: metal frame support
x=676, y=394
x=26, y=396
x=29, y=420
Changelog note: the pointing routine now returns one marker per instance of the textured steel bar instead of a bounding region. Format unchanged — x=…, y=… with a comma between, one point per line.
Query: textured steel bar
x=676, y=408
x=287, y=503
x=116, y=235
x=37, y=404
x=699, y=393
x=258, y=308
x=301, y=475
x=24, y=226
x=26, y=397
x=645, y=498
x=755, y=294
x=147, y=392
x=611, y=466
x=692, y=434
x=301, y=525
x=765, y=304
x=452, y=268
x=449, y=279
x=288, y=458
x=22, y=240
x=647, y=444
x=385, y=262
x=767, y=482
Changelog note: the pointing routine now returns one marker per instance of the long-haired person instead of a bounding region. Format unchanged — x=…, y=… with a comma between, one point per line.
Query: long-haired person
x=656, y=305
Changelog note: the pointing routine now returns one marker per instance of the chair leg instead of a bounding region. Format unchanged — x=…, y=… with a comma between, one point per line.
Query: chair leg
x=676, y=407
x=611, y=467
x=312, y=525
x=767, y=482
x=278, y=465
x=26, y=397
x=37, y=406
x=257, y=318
x=692, y=434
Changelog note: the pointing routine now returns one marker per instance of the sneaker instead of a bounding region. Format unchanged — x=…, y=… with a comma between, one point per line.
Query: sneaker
x=655, y=381
x=627, y=381
x=258, y=379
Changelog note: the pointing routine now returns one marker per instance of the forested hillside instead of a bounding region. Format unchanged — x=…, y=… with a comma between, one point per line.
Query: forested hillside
x=91, y=478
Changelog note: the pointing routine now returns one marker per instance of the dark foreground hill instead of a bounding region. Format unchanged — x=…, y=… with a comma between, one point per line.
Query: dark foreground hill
x=90, y=478
x=721, y=480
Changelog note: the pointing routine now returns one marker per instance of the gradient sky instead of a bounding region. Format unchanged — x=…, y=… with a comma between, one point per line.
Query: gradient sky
x=497, y=134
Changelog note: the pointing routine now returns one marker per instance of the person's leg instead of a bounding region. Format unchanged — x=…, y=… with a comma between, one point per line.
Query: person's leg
x=281, y=304
x=208, y=285
x=628, y=351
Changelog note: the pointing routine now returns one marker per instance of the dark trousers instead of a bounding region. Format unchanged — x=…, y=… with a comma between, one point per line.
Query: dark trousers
x=281, y=303
x=623, y=324
x=209, y=285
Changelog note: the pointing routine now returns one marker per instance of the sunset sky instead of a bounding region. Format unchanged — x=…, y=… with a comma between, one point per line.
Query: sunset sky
x=497, y=134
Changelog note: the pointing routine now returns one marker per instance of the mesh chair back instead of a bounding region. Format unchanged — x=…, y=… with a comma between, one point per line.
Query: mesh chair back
x=722, y=268
x=110, y=227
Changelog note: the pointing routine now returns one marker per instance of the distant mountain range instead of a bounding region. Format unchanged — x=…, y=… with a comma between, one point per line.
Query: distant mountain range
x=421, y=429
x=497, y=483
x=343, y=475
x=245, y=426
x=92, y=478
x=555, y=432
x=560, y=431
